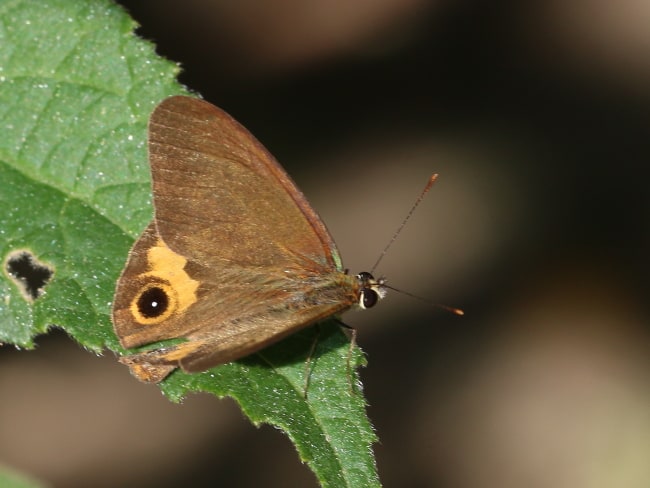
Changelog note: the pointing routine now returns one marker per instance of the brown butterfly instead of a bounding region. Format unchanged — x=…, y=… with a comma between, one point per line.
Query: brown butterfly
x=235, y=258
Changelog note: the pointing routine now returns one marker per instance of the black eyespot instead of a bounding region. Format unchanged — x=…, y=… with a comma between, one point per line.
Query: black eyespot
x=153, y=302
x=369, y=298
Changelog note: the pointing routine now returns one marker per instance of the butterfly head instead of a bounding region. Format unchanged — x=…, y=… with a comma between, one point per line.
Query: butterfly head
x=370, y=289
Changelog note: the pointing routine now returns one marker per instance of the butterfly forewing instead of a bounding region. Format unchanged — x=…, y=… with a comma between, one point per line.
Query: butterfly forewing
x=220, y=197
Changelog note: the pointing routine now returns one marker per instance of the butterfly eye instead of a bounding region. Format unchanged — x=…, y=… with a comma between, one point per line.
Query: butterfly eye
x=365, y=277
x=368, y=298
x=372, y=290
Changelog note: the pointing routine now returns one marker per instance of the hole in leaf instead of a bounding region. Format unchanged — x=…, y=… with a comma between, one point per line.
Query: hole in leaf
x=29, y=274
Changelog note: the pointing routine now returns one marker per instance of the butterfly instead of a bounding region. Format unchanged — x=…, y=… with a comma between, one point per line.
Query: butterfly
x=235, y=258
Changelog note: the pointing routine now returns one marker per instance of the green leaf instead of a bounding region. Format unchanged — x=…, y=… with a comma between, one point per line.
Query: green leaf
x=12, y=479
x=76, y=90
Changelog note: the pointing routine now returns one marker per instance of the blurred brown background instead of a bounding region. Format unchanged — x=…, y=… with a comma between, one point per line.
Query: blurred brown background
x=536, y=115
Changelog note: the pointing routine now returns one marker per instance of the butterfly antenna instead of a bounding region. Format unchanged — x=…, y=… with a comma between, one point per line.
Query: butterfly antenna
x=455, y=311
x=408, y=216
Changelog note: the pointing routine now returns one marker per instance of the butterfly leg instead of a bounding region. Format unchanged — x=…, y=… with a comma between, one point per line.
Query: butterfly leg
x=308, y=369
x=353, y=343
